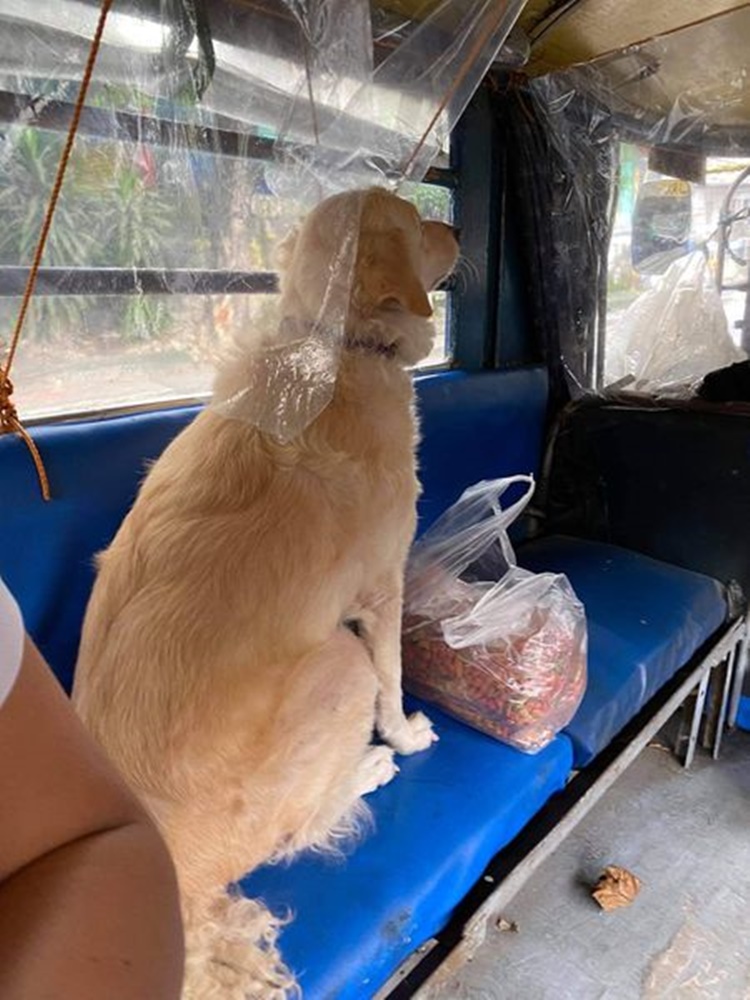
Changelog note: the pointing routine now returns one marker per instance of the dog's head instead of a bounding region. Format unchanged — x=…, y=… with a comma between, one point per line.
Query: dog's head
x=399, y=259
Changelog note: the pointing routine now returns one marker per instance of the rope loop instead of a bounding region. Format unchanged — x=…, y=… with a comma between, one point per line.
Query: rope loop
x=10, y=422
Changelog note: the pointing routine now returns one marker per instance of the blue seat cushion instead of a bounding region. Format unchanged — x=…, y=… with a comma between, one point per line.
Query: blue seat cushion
x=437, y=825
x=645, y=618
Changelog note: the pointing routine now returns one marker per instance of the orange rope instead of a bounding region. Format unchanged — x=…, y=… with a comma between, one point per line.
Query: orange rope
x=493, y=19
x=9, y=420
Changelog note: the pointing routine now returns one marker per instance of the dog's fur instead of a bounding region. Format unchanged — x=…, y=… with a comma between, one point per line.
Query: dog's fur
x=215, y=664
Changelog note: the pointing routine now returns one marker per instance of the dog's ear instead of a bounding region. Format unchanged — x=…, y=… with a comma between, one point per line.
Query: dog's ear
x=385, y=273
x=282, y=256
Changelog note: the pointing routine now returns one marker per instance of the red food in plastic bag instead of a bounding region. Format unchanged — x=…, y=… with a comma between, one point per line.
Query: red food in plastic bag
x=508, y=656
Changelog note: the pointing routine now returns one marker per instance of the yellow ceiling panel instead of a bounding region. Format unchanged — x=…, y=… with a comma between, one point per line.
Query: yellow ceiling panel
x=697, y=76
x=689, y=59
x=590, y=28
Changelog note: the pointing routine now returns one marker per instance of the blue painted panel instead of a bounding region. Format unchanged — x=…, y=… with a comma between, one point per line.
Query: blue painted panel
x=477, y=205
x=478, y=426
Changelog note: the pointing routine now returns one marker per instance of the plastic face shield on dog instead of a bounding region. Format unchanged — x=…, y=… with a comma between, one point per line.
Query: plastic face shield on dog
x=283, y=382
x=284, y=374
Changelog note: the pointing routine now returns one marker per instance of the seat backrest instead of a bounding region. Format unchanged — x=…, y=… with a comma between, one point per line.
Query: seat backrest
x=474, y=427
x=671, y=482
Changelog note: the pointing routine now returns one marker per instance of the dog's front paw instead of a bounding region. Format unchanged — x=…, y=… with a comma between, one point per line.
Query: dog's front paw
x=377, y=768
x=414, y=734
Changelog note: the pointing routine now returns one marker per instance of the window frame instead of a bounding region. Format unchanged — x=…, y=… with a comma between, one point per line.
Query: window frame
x=473, y=177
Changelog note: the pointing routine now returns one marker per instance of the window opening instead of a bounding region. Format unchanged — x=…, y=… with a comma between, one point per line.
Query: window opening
x=163, y=240
x=659, y=219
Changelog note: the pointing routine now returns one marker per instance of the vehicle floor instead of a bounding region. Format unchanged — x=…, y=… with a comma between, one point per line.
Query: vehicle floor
x=686, y=835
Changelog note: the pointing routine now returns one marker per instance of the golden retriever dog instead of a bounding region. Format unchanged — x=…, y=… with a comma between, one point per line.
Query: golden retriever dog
x=217, y=666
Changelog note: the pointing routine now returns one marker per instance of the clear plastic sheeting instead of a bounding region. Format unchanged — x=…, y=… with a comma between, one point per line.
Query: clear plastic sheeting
x=676, y=332
x=495, y=645
x=388, y=112
x=281, y=382
x=625, y=166
x=210, y=130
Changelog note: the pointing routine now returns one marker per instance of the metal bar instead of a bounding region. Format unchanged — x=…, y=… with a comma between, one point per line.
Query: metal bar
x=745, y=323
x=722, y=717
x=128, y=410
x=513, y=883
x=115, y=411
x=721, y=257
x=553, y=14
x=147, y=281
x=222, y=139
x=725, y=225
x=600, y=333
x=710, y=717
x=475, y=929
x=479, y=209
x=137, y=281
x=556, y=820
x=700, y=702
x=404, y=969
x=127, y=127
x=683, y=731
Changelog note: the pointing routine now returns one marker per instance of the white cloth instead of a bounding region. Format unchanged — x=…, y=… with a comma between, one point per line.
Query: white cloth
x=11, y=641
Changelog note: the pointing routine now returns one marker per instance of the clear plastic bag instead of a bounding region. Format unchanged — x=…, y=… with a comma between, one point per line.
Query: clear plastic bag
x=676, y=332
x=500, y=648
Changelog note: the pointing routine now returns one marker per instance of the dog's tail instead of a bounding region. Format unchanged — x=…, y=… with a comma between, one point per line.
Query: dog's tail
x=232, y=952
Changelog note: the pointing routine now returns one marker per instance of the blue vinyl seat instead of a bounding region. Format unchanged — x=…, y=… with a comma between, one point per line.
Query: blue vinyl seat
x=645, y=620
x=437, y=825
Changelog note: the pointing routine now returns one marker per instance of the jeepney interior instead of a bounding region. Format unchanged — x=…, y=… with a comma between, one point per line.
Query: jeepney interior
x=595, y=156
